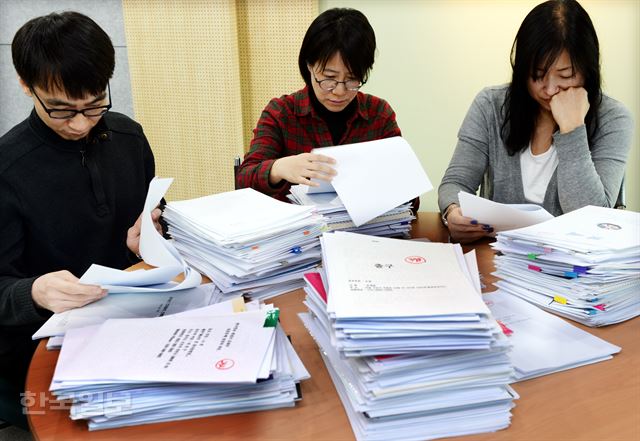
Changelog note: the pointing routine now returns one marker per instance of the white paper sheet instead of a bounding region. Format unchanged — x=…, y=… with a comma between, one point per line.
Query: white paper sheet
x=543, y=343
x=174, y=349
x=380, y=277
x=132, y=305
x=375, y=176
x=501, y=216
x=155, y=250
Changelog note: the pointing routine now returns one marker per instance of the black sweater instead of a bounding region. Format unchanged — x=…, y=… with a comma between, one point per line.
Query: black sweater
x=63, y=205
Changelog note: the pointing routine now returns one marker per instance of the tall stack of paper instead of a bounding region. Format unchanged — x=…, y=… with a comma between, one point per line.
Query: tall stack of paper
x=246, y=242
x=583, y=265
x=394, y=223
x=409, y=343
x=136, y=371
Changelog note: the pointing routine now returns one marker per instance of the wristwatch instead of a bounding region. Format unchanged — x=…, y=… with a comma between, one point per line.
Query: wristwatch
x=446, y=212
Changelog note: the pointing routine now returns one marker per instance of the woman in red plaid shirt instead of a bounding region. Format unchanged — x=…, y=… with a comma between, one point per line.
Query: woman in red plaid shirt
x=335, y=59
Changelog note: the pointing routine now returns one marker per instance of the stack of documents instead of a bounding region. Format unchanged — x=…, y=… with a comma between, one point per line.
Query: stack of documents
x=246, y=242
x=394, y=223
x=583, y=265
x=189, y=365
x=409, y=343
x=541, y=342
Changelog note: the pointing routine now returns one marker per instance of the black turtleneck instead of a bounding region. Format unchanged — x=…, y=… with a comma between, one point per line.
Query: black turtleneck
x=336, y=121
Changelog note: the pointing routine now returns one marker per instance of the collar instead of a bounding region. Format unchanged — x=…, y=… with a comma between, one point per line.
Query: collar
x=302, y=104
x=100, y=132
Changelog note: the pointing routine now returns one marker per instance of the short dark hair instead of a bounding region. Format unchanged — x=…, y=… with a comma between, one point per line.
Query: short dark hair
x=550, y=28
x=342, y=30
x=66, y=51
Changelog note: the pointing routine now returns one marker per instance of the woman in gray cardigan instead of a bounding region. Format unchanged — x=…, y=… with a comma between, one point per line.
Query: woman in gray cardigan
x=550, y=136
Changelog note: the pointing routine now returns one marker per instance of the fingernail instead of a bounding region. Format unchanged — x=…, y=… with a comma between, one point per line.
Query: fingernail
x=474, y=222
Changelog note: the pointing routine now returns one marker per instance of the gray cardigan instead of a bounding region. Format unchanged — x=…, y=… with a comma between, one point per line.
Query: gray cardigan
x=584, y=176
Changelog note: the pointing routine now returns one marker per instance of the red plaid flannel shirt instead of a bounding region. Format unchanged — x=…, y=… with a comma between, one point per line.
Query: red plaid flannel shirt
x=289, y=125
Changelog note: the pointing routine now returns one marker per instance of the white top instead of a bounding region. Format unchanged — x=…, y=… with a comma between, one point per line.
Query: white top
x=536, y=173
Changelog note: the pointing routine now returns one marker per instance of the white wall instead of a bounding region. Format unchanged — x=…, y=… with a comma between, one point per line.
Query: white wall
x=435, y=55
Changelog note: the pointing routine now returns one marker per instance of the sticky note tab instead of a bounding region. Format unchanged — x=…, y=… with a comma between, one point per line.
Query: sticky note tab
x=547, y=250
x=601, y=306
x=560, y=299
x=505, y=329
x=532, y=256
x=534, y=268
x=570, y=274
x=296, y=250
x=580, y=269
x=272, y=319
x=238, y=304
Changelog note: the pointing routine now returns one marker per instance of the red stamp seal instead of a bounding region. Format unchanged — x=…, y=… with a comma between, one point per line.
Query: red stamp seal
x=224, y=364
x=415, y=259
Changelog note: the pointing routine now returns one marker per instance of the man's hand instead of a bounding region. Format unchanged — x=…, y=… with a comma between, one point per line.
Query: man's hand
x=61, y=291
x=133, y=234
x=464, y=229
x=569, y=108
x=300, y=169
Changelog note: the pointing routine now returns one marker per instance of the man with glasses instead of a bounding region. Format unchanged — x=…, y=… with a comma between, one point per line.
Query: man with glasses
x=73, y=180
x=335, y=59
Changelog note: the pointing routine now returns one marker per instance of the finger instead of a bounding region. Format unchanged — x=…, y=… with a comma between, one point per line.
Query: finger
x=320, y=167
x=156, y=213
x=321, y=176
x=67, y=303
x=322, y=158
x=79, y=289
x=305, y=181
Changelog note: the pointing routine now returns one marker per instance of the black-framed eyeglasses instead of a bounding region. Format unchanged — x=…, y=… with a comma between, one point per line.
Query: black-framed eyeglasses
x=330, y=84
x=89, y=112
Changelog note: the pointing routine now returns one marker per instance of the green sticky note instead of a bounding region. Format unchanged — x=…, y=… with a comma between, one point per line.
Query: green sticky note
x=272, y=319
x=532, y=256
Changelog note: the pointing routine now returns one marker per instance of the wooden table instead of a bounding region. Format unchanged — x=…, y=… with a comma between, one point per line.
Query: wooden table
x=596, y=402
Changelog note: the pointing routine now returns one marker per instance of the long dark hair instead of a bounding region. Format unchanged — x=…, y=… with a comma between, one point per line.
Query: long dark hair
x=67, y=51
x=342, y=30
x=547, y=30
